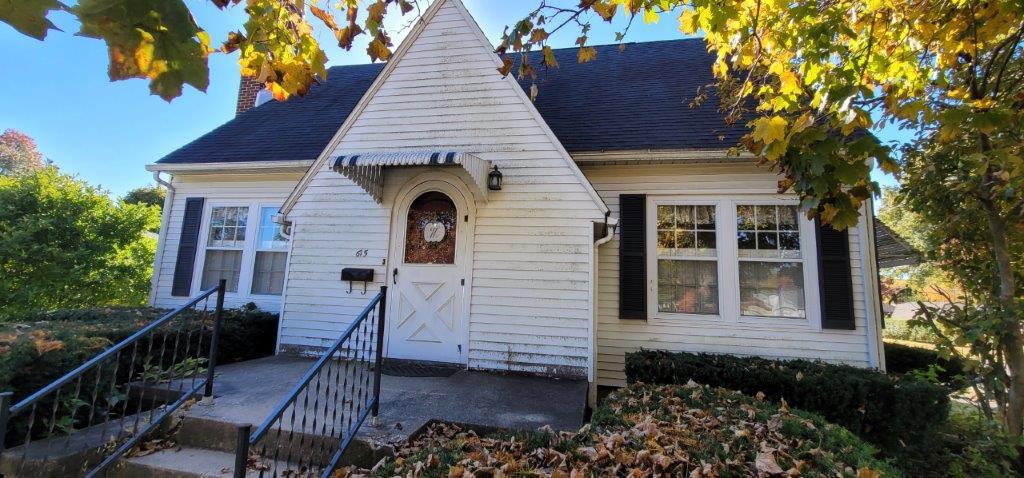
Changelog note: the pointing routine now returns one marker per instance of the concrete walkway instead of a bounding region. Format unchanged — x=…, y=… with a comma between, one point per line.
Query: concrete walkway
x=247, y=392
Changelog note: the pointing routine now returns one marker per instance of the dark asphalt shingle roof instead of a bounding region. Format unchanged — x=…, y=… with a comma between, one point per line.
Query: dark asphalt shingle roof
x=638, y=98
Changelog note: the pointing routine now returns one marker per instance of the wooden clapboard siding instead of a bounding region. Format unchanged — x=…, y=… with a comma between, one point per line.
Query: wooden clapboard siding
x=530, y=303
x=616, y=337
x=267, y=189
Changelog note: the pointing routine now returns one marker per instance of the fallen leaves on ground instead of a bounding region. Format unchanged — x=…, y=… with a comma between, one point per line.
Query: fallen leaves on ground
x=643, y=431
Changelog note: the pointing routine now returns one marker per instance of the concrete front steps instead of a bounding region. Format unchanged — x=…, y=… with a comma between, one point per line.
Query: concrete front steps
x=206, y=448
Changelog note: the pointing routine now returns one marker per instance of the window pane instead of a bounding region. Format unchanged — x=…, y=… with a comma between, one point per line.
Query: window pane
x=745, y=218
x=766, y=218
x=787, y=218
x=687, y=231
x=222, y=265
x=666, y=217
x=688, y=286
x=705, y=216
x=270, y=232
x=666, y=240
x=227, y=226
x=685, y=239
x=772, y=289
x=684, y=217
x=268, y=273
x=773, y=232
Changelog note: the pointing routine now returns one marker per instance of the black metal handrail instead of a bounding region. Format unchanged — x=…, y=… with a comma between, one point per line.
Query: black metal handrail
x=75, y=413
x=309, y=436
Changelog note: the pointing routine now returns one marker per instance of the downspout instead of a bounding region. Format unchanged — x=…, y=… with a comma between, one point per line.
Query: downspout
x=165, y=217
x=609, y=233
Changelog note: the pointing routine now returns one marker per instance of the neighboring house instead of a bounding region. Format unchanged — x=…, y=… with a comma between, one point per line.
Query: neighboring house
x=621, y=223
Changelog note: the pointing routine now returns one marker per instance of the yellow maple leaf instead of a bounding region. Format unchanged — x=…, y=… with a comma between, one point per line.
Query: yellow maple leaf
x=768, y=130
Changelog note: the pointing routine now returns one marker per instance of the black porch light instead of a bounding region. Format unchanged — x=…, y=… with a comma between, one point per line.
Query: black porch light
x=494, y=180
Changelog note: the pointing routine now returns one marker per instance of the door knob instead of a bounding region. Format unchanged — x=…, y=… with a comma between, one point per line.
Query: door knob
x=394, y=276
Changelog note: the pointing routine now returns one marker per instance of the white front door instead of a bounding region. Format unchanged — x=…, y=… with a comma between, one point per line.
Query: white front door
x=426, y=272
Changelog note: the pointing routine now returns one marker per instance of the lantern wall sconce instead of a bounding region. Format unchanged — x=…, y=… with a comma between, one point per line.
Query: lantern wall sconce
x=494, y=180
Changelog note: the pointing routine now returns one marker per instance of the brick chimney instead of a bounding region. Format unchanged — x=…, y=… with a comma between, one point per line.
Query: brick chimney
x=248, y=87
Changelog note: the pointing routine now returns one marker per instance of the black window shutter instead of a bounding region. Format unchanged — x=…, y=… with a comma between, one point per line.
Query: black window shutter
x=632, y=257
x=835, y=278
x=181, y=286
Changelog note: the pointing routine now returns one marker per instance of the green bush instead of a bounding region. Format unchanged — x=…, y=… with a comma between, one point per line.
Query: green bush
x=64, y=243
x=902, y=359
x=972, y=446
x=645, y=430
x=897, y=329
x=45, y=346
x=885, y=411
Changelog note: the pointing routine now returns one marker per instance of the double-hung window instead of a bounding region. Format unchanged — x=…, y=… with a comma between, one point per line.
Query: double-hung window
x=225, y=246
x=687, y=259
x=771, y=268
x=729, y=258
x=271, y=256
x=245, y=247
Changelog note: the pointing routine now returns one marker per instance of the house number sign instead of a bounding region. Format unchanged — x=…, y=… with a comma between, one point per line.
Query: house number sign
x=434, y=231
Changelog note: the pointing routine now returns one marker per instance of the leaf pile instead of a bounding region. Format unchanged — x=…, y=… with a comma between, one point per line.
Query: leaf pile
x=690, y=430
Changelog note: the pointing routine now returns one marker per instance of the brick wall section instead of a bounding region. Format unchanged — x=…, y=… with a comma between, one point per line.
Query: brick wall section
x=247, y=89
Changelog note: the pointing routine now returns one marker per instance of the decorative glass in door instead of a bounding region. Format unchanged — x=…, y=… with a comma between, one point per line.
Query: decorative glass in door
x=430, y=230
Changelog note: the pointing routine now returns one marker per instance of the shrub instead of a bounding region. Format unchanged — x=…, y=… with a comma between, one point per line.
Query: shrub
x=644, y=430
x=52, y=344
x=64, y=243
x=902, y=359
x=885, y=411
x=972, y=446
x=897, y=329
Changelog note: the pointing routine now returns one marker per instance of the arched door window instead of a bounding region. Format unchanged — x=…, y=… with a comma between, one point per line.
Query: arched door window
x=430, y=230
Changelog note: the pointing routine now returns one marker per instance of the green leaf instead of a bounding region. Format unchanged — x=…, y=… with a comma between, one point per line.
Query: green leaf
x=29, y=16
x=153, y=39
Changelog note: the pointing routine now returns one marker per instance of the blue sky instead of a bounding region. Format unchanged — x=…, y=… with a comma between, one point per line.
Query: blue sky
x=106, y=132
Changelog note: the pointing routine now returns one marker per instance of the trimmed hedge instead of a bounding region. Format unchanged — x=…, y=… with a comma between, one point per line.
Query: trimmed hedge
x=45, y=346
x=901, y=359
x=899, y=329
x=887, y=412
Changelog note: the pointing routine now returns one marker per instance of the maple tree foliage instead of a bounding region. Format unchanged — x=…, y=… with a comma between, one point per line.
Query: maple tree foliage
x=18, y=153
x=159, y=40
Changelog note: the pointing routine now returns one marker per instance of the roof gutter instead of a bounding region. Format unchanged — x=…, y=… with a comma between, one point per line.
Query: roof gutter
x=232, y=166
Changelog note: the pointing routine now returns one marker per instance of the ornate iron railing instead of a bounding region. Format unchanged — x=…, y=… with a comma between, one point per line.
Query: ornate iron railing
x=81, y=423
x=311, y=428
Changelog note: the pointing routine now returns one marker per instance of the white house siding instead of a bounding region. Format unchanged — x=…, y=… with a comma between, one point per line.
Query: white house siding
x=267, y=189
x=531, y=307
x=617, y=337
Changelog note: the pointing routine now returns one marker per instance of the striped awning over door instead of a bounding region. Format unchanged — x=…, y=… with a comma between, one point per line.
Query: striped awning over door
x=367, y=169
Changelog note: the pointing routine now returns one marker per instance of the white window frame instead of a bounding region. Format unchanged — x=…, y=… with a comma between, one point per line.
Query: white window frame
x=245, y=274
x=728, y=261
x=652, y=255
x=257, y=249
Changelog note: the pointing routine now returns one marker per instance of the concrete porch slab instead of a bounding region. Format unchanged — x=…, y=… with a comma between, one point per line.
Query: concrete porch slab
x=247, y=392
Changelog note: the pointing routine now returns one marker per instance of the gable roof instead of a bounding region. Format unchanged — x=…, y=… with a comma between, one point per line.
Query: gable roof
x=638, y=98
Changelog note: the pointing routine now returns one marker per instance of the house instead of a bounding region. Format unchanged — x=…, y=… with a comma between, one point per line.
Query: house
x=621, y=221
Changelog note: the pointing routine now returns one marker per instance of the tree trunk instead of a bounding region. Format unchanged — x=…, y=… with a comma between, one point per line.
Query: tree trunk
x=1013, y=346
